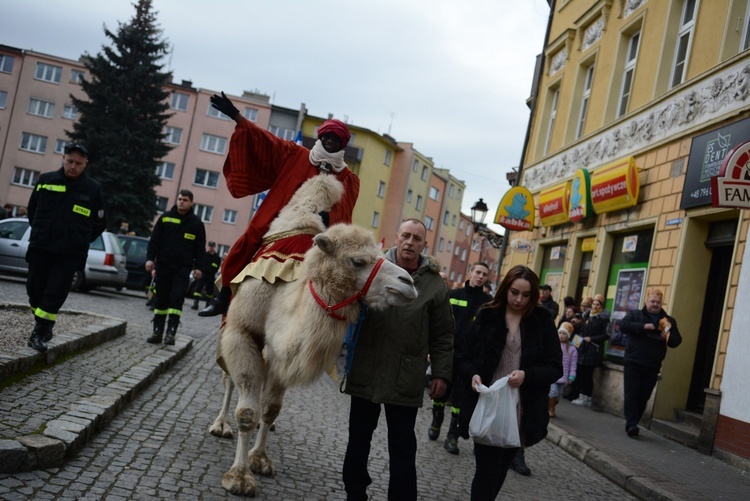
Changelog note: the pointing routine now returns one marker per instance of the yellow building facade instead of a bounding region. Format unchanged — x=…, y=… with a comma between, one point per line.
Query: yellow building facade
x=635, y=106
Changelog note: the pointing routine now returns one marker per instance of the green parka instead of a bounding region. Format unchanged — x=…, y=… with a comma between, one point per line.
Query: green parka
x=390, y=358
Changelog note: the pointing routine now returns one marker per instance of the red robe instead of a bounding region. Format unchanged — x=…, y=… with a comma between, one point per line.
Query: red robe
x=259, y=161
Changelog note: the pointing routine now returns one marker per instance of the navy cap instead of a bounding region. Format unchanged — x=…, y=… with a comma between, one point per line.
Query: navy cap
x=77, y=146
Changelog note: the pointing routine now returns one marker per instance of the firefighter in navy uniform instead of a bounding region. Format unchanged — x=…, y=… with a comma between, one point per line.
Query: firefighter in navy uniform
x=211, y=265
x=176, y=246
x=66, y=213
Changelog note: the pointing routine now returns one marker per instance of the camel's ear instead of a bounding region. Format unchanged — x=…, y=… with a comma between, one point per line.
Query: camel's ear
x=324, y=243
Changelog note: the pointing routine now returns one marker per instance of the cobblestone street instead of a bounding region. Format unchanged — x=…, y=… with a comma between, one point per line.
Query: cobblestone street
x=159, y=447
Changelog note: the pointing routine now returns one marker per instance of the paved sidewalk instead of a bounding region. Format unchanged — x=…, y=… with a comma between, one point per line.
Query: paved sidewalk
x=650, y=466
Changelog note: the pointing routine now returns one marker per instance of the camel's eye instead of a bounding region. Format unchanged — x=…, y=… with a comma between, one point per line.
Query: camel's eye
x=358, y=262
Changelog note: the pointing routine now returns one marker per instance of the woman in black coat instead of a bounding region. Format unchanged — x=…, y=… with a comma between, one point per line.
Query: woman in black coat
x=511, y=336
x=591, y=350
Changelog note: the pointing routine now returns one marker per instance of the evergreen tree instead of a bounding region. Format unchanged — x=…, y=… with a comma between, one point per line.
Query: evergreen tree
x=122, y=122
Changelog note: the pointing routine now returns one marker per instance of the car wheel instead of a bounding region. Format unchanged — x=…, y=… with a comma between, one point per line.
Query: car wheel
x=78, y=281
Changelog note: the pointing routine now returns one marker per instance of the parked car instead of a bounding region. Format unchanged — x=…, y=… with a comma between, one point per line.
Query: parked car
x=135, y=251
x=105, y=264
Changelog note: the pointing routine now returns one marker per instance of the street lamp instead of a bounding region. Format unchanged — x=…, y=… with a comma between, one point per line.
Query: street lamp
x=478, y=213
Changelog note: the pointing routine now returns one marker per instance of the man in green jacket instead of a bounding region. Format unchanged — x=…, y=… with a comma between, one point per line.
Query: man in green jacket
x=389, y=365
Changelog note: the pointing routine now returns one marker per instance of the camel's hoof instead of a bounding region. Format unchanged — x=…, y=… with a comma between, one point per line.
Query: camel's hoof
x=261, y=464
x=235, y=482
x=221, y=430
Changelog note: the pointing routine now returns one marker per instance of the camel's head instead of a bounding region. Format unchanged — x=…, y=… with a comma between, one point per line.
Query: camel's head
x=341, y=263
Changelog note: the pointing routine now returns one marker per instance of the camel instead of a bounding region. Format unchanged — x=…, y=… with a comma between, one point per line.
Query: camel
x=284, y=334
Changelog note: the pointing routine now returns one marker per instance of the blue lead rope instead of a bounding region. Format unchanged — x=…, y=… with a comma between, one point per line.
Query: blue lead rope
x=352, y=335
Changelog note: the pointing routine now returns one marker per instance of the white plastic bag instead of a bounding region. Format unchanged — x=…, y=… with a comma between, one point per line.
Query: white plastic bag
x=495, y=421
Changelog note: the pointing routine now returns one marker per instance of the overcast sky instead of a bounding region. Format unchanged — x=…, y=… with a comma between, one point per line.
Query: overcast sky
x=450, y=77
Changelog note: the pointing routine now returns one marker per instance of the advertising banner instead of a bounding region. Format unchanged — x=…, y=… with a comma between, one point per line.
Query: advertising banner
x=615, y=186
x=553, y=205
x=628, y=294
x=516, y=210
x=580, y=206
x=731, y=188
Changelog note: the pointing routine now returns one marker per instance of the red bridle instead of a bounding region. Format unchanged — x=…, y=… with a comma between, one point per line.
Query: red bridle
x=360, y=295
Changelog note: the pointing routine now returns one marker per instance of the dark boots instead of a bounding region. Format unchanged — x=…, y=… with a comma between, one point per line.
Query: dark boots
x=219, y=305
x=159, y=321
x=195, y=303
x=41, y=334
x=438, y=413
x=519, y=464
x=451, y=440
x=174, y=322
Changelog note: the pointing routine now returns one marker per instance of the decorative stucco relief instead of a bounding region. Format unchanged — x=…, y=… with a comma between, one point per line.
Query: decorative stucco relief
x=558, y=61
x=632, y=5
x=593, y=33
x=722, y=94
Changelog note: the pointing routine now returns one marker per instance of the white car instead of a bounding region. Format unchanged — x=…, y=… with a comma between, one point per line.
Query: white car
x=105, y=264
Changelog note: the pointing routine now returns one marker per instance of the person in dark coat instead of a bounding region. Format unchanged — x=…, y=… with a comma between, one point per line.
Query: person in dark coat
x=591, y=350
x=547, y=302
x=205, y=285
x=650, y=331
x=176, y=246
x=511, y=336
x=464, y=303
x=66, y=213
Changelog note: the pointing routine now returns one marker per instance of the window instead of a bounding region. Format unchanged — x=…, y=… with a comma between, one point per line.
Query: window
x=684, y=41
x=463, y=255
x=161, y=204
x=450, y=246
x=172, y=135
x=441, y=244
x=415, y=165
x=70, y=111
x=381, y=189
x=3, y=99
x=206, y=178
x=165, y=170
x=418, y=206
x=230, y=216
x=24, y=177
x=745, y=44
x=552, y=116
x=468, y=230
x=585, y=100
x=179, y=101
x=434, y=193
x=451, y=188
x=459, y=194
x=453, y=221
x=60, y=145
x=461, y=226
x=425, y=171
x=6, y=63
x=76, y=76
x=222, y=250
x=33, y=143
x=387, y=159
x=456, y=250
x=375, y=219
x=453, y=275
x=429, y=223
x=446, y=217
x=41, y=108
x=283, y=133
x=628, y=71
x=251, y=114
x=204, y=212
x=48, y=72
x=213, y=112
x=460, y=278
x=409, y=195
x=213, y=144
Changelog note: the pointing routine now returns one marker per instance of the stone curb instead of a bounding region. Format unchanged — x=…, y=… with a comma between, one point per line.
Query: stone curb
x=640, y=487
x=66, y=435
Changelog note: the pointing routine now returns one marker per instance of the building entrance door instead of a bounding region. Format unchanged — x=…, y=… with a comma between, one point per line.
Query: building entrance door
x=720, y=240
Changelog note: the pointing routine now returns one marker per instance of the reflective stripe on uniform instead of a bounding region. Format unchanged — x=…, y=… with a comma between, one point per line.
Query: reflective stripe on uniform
x=459, y=302
x=51, y=187
x=82, y=210
x=174, y=311
x=160, y=312
x=171, y=220
x=189, y=236
x=45, y=315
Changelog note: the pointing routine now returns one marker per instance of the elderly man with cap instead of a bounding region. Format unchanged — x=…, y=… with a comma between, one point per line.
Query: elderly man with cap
x=258, y=161
x=205, y=284
x=66, y=213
